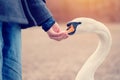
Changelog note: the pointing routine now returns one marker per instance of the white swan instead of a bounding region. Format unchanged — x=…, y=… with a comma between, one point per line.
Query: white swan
x=79, y=25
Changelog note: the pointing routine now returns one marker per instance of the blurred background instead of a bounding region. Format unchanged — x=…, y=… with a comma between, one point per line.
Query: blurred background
x=46, y=59
x=104, y=10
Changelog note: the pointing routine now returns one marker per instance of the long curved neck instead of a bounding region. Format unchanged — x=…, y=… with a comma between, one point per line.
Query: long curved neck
x=94, y=61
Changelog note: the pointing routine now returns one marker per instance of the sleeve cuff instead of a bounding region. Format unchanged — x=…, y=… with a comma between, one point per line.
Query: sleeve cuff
x=48, y=24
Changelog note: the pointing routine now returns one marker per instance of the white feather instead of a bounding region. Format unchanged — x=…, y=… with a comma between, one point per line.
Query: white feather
x=95, y=60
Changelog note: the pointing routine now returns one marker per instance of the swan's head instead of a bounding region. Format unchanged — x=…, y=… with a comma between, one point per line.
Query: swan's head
x=83, y=25
x=72, y=26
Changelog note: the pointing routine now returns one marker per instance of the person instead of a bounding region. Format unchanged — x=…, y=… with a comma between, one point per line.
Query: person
x=14, y=16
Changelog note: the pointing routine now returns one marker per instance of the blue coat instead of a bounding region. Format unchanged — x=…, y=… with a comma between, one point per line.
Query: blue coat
x=25, y=12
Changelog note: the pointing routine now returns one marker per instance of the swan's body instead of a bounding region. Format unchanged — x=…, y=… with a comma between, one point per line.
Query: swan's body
x=94, y=61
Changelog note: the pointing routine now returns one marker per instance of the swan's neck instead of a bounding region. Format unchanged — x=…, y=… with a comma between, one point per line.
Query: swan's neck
x=94, y=61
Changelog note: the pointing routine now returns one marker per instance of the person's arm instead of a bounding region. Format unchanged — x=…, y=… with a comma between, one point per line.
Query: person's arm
x=45, y=19
x=53, y=30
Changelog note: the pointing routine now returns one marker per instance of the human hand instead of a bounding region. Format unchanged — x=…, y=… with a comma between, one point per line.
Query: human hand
x=55, y=33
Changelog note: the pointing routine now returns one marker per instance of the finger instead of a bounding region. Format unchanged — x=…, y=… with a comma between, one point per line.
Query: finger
x=65, y=35
x=58, y=38
x=56, y=28
x=55, y=34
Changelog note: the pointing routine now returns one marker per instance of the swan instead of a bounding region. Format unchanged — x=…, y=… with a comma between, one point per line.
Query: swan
x=81, y=25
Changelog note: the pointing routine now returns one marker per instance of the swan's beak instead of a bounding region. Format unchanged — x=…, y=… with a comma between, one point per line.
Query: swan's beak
x=72, y=27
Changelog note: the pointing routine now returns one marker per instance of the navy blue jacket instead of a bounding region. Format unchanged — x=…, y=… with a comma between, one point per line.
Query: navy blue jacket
x=28, y=13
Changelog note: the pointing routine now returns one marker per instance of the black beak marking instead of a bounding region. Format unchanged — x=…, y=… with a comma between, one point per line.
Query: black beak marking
x=74, y=24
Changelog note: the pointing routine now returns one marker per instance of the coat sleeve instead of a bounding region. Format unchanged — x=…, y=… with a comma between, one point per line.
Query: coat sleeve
x=41, y=14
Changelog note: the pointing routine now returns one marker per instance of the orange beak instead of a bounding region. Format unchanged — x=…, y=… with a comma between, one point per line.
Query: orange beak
x=70, y=29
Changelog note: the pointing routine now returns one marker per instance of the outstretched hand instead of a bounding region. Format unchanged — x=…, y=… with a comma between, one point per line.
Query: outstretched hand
x=55, y=33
